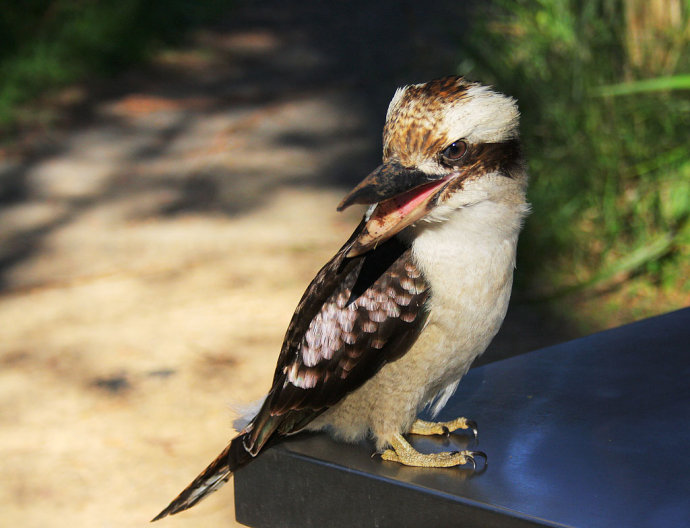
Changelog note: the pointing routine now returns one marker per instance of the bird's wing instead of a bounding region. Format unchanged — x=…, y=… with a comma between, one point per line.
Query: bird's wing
x=356, y=315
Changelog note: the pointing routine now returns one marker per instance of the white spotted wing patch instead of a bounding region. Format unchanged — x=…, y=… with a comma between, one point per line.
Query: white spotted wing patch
x=302, y=378
x=344, y=329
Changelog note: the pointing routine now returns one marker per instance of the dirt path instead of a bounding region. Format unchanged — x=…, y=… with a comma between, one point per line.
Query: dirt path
x=152, y=252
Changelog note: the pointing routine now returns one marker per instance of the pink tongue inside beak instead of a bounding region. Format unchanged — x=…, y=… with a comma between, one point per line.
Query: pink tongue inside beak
x=406, y=203
x=394, y=215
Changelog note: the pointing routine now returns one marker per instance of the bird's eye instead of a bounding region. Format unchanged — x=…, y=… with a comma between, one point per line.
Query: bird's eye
x=454, y=151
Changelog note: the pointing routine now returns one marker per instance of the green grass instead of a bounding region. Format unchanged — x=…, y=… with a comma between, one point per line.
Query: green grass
x=660, y=84
x=47, y=44
x=607, y=141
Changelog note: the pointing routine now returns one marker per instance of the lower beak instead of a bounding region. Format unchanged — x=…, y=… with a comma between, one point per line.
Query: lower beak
x=402, y=195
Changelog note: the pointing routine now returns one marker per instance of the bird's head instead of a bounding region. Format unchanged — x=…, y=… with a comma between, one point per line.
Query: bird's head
x=447, y=144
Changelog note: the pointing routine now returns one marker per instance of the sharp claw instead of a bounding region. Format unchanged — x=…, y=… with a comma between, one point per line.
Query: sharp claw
x=474, y=454
x=473, y=425
x=446, y=431
x=474, y=464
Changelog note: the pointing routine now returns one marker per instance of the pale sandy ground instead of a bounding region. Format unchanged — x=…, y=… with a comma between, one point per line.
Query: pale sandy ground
x=152, y=254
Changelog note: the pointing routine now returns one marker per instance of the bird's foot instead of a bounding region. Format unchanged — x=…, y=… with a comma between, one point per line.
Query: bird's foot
x=422, y=427
x=404, y=453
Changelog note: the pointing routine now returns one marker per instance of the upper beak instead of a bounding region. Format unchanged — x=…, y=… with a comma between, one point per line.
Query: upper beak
x=402, y=195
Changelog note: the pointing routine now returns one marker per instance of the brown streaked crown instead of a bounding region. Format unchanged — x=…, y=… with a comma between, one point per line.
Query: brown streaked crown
x=411, y=124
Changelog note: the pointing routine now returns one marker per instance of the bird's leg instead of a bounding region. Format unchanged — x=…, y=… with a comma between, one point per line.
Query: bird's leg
x=422, y=427
x=404, y=453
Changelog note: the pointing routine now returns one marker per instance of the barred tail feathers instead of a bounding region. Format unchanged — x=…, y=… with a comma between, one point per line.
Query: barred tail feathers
x=233, y=457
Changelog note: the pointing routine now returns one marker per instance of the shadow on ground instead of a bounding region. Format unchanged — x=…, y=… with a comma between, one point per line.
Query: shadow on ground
x=277, y=94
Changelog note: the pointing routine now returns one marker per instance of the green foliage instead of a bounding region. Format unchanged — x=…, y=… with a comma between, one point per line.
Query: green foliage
x=608, y=147
x=45, y=44
x=675, y=82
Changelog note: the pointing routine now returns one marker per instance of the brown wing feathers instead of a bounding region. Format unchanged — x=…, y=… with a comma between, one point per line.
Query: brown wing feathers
x=370, y=314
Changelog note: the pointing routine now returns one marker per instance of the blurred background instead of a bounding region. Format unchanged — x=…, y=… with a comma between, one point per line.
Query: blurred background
x=169, y=173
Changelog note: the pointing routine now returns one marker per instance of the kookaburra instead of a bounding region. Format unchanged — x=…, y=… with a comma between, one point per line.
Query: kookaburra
x=393, y=321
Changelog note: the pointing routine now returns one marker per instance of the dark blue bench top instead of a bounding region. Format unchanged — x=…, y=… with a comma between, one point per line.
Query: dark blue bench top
x=590, y=433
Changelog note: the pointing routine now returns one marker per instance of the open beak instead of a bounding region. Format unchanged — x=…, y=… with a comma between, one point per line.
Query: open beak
x=402, y=195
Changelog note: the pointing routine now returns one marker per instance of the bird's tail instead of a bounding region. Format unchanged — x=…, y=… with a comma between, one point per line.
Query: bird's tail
x=210, y=479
